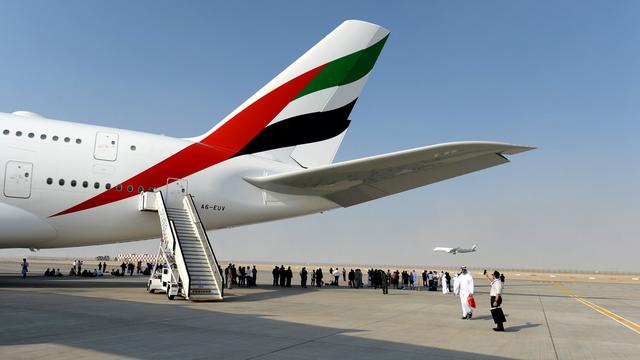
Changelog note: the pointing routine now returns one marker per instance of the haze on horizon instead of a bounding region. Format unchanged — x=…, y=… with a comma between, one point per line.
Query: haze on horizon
x=561, y=76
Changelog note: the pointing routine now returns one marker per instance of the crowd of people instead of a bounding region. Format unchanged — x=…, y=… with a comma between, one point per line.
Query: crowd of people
x=242, y=276
x=461, y=284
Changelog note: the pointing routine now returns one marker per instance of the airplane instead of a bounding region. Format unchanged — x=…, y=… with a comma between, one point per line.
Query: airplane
x=455, y=250
x=69, y=184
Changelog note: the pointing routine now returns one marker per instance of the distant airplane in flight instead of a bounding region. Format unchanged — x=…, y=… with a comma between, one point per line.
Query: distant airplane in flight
x=455, y=250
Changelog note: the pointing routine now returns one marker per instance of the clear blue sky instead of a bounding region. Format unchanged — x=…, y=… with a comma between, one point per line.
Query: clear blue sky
x=560, y=75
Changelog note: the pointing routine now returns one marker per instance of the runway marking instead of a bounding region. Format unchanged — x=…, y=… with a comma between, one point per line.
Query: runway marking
x=627, y=323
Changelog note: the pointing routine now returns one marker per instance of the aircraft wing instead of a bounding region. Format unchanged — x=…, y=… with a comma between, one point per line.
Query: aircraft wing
x=356, y=181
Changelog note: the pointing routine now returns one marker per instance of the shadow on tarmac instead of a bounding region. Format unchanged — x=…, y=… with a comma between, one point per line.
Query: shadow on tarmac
x=179, y=330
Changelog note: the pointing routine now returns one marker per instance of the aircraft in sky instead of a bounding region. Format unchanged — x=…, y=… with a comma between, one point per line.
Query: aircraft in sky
x=456, y=250
x=70, y=184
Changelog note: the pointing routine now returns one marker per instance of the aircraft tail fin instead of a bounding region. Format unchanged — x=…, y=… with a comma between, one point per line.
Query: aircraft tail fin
x=305, y=109
x=474, y=247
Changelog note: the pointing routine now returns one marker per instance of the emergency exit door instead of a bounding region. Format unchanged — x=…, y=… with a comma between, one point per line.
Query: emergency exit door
x=176, y=191
x=17, y=179
x=106, y=146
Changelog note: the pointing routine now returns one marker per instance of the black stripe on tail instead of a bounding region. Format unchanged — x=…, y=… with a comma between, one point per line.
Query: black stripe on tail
x=301, y=129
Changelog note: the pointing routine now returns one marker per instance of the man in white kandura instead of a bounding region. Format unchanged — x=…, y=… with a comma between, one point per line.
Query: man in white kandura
x=464, y=288
x=445, y=284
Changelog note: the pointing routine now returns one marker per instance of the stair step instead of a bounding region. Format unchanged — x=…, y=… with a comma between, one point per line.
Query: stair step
x=189, y=252
x=202, y=278
x=209, y=284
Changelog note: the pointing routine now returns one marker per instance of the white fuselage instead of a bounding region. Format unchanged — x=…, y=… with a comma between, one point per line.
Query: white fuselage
x=48, y=167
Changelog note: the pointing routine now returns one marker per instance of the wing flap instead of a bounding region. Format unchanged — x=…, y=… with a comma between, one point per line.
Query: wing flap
x=356, y=181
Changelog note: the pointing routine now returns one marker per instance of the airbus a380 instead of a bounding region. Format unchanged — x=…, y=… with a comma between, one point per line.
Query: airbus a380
x=68, y=184
x=456, y=250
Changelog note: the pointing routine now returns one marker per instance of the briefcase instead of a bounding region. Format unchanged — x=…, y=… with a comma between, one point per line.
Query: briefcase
x=498, y=315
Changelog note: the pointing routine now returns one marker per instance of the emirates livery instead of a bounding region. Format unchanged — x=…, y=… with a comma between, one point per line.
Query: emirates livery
x=456, y=250
x=67, y=184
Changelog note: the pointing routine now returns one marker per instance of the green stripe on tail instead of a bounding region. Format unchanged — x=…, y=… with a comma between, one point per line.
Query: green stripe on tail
x=346, y=69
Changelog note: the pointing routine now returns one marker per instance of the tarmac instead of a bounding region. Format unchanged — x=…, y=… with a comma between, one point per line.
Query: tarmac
x=115, y=318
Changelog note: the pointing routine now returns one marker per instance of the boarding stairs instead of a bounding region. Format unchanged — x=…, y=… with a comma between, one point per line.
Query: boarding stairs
x=185, y=248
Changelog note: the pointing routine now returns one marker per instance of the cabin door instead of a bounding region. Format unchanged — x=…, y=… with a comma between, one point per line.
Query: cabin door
x=177, y=189
x=17, y=179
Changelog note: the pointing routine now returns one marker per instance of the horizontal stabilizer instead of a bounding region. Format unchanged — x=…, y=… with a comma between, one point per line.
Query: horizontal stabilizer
x=356, y=181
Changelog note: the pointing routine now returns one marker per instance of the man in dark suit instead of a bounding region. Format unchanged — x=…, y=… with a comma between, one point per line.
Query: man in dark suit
x=275, y=273
x=283, y=274
x=289, y=276
x=254, y=272
x=303, y=277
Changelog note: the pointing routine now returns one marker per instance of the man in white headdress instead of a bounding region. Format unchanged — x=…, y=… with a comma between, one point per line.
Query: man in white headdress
x=464, y=287
x=443, y=281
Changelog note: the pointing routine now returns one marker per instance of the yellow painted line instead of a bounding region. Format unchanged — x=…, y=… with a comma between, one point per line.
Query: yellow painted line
x=628, y=323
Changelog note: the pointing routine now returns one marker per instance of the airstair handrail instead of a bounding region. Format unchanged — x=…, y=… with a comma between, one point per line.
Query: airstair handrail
x=203, y=233
x=170, y=228
x=184, y=263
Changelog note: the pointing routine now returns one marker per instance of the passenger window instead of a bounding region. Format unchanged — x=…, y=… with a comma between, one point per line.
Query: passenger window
x=43, y=137
x=6, y=132
x=78, y=141
x=140, y=189
x=49, y=181
x=73, y=183
x=130, y=188
x=31, y=135
x=107, y=186
x=61, y=182
x=55, y=138
x=119, y=187
x=85, y=184
x=67, y=139
x=96, y=185
x=18, y=133
x=133, y=148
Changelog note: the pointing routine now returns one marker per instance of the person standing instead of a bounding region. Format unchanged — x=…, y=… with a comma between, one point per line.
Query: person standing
x=248, y=277
x=234, y=274
x=496, y=299
x=336, y=276
x=289, y=276
x=465, y=289
x=385, y=278
x=229, y=276
x=275, y=273
x=24, y=268
x=254, y=271
x=283, y=276
x=445, y=283
x=352, y=278
x=319, y=277
x=344, y=275
x=303, y=277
